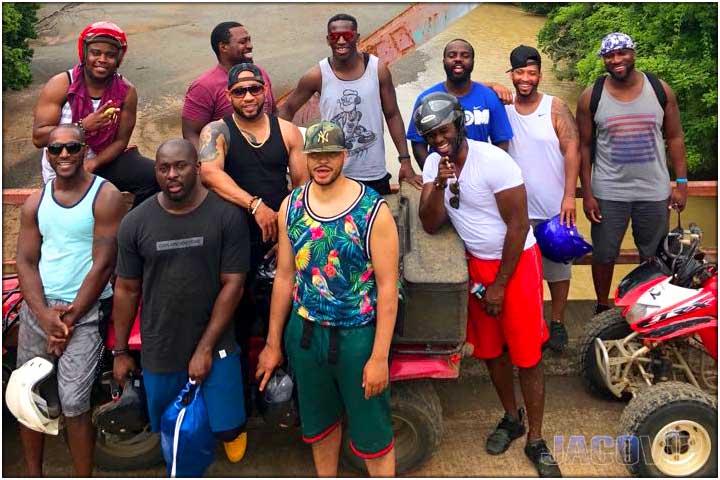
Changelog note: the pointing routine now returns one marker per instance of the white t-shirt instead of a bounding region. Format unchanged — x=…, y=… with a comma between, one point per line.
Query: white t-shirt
x=487, y=171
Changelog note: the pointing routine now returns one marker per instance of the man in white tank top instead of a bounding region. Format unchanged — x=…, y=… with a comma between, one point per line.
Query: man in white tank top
x=356, y=92
x=546, y=146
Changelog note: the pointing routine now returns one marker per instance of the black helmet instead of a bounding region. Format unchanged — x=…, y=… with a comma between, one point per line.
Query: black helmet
x=436, y=110
x=276, y=403
x=124, y=413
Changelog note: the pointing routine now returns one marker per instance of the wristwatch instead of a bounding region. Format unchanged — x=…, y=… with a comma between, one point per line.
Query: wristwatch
x=117, y=353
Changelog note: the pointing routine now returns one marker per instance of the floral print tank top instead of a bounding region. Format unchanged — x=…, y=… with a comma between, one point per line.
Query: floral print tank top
x=334, y=277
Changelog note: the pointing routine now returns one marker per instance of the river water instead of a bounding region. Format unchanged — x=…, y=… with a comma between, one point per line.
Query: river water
x=494, y=30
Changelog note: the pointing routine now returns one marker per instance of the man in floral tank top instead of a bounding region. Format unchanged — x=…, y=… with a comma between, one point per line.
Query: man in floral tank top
x=337, y=278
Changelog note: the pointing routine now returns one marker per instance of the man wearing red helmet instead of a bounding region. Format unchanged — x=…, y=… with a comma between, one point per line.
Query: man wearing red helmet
x=94, y=96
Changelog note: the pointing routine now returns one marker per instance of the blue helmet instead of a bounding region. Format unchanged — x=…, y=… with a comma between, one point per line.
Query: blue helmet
x=560, y=243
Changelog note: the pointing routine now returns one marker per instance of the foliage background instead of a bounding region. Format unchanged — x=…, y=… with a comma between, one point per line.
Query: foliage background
x=676, y=41
x=18, y=21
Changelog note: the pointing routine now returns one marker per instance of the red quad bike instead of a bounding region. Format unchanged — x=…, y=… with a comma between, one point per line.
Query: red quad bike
x=658, y=349
x=427, y=345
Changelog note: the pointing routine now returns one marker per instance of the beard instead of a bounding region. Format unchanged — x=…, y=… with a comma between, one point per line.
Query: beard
x=252, y=117
x=455, y=78
x=629, y=68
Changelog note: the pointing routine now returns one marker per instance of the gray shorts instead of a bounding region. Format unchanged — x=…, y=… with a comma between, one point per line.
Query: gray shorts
x=77, y=366
x=553, y=271
x=650, y=223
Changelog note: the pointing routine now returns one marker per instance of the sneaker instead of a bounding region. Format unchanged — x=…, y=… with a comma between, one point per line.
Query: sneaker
x=235, y=450
x=507, y=430
x=599, y=308
x=539, y=454
x=558, y=337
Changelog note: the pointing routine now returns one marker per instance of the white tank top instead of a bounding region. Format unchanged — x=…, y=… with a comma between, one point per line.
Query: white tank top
x=536, y=148
x=356, y=107
x=65, y=117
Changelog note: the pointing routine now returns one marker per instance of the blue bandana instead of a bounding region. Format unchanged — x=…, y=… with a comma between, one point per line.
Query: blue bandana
x=615, y=41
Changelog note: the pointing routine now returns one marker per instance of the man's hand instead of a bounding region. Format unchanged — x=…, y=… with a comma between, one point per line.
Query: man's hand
x=266, y=218
x=376, y=376
x=493, y=299
x=200, y=365
x=101, y=118
x=446, y=170
x=270, y=358
x=592, y=209
x=52, y=324
x=123, y=365
x=407, y=174
x=567, y=211
x=503, y=93
x=678, y=199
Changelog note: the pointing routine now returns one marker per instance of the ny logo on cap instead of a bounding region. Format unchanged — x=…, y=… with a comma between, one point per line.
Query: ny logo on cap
x=323, y=136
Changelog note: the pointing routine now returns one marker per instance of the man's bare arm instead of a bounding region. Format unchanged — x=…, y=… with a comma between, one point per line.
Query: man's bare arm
x=214, y=139
x=584, y=124
x=297, y=160
x=432, y=208
x=309, y=83
x=675, y=140
x=191, y=130
x=128, y=116
x=126, y=300
x=49, y=108
x=569, y=140
x=28, y=255
x=109, y=211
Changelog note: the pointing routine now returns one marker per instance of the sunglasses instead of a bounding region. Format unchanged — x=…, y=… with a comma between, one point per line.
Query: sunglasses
x=455, y=199
x=240, y=92
x=71, y=147
x=348, y=35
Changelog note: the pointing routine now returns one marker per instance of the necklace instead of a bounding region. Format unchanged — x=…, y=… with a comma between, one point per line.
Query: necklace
x=252, y=141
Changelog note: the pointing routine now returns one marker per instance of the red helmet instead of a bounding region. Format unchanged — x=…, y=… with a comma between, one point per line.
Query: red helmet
x=110, y=33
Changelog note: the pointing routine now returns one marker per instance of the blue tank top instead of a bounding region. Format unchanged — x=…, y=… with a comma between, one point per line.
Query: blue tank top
x=67, y=240
x=334, y=276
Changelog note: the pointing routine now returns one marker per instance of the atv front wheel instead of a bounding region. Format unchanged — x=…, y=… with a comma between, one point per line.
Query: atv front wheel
x=131, y=451
x=608, y=325
x=672, y=431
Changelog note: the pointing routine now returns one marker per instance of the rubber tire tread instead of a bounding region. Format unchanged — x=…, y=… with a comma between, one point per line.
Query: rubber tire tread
x=420, y=399
x=599, y=325
x=150, y=458
x=656, y=398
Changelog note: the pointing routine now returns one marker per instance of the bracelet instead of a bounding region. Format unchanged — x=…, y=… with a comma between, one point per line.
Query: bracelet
x=681, y=180
x=122, y=351
x=438, y=186
x=403, y=157
x=256, y=206
x=252, y=200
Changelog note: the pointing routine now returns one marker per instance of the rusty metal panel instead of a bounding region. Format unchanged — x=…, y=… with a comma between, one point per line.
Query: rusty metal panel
x=411, y=28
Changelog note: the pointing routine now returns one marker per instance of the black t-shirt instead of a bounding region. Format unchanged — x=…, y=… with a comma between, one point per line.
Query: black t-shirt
x=180, y=259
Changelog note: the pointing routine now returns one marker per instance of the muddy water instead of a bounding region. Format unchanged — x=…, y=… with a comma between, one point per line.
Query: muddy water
x=494, y=30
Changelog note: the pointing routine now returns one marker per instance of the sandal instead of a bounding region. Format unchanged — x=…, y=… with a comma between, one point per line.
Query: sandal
x=506, y=431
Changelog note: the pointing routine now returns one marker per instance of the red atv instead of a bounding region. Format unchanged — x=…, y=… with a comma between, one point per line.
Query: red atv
x=658, y=349
x=428, y=343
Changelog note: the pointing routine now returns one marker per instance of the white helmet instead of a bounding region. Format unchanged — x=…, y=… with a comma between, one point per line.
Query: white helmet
x=31, y=396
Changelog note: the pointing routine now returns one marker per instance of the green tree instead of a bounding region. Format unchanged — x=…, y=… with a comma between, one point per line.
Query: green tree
x=676, y=41
x=18, y=20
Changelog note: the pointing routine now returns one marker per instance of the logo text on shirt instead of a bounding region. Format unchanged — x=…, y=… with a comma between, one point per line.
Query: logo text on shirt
x=180, y=243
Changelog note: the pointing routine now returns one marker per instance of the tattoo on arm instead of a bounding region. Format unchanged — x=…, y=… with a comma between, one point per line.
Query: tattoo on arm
x=208, y=145
x=565, y=125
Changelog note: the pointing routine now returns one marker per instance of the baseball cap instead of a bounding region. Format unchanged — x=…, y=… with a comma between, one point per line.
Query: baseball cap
x=324, y=136
x=615, y=41
x=523, y=56
x=237, y=69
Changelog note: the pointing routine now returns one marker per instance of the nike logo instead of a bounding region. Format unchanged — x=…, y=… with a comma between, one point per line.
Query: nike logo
x=540, y=114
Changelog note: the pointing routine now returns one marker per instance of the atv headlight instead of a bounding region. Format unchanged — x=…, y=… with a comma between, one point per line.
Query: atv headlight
x=639, y=311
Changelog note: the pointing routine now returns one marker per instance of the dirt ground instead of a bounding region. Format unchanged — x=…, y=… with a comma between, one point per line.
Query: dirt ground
x=470, y=412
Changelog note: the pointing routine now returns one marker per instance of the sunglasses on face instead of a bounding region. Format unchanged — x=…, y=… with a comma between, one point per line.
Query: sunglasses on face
x=240, y=92
x=348, y=35
x=71, y=147
x=455, y=199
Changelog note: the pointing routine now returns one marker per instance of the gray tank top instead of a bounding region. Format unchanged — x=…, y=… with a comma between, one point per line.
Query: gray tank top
x=356, y=107
x=630, y=162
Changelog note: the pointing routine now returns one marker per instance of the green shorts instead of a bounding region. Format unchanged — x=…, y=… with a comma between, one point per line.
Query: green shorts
x=326, y=392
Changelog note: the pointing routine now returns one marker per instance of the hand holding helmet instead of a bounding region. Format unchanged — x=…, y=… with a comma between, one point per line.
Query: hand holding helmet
x=560, y=243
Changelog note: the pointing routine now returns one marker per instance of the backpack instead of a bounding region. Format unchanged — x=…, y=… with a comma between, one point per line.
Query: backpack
x=597, y=93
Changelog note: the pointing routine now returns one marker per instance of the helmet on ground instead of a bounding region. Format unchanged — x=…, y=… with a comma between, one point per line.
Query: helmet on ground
x=560, y=243
x=276, y=403
x=32, y=396
x=102, y=32
x=438, y=109
x=126, y=412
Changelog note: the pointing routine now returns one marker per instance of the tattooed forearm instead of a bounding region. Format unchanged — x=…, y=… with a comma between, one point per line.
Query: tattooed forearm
x=209, y=148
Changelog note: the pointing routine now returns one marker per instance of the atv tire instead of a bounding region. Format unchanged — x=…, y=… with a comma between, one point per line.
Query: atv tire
x=673, y=432
x=608, y=325
x=132, y=452
x=417, y=427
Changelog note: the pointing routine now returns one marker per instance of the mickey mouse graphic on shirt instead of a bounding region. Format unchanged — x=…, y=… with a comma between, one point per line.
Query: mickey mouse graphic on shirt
x=357, y=137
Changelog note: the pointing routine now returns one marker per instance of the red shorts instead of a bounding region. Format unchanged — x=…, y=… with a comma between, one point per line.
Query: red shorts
x=520, y=324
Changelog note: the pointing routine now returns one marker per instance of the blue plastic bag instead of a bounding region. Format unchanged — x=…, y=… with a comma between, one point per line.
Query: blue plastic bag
x=188, y=444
